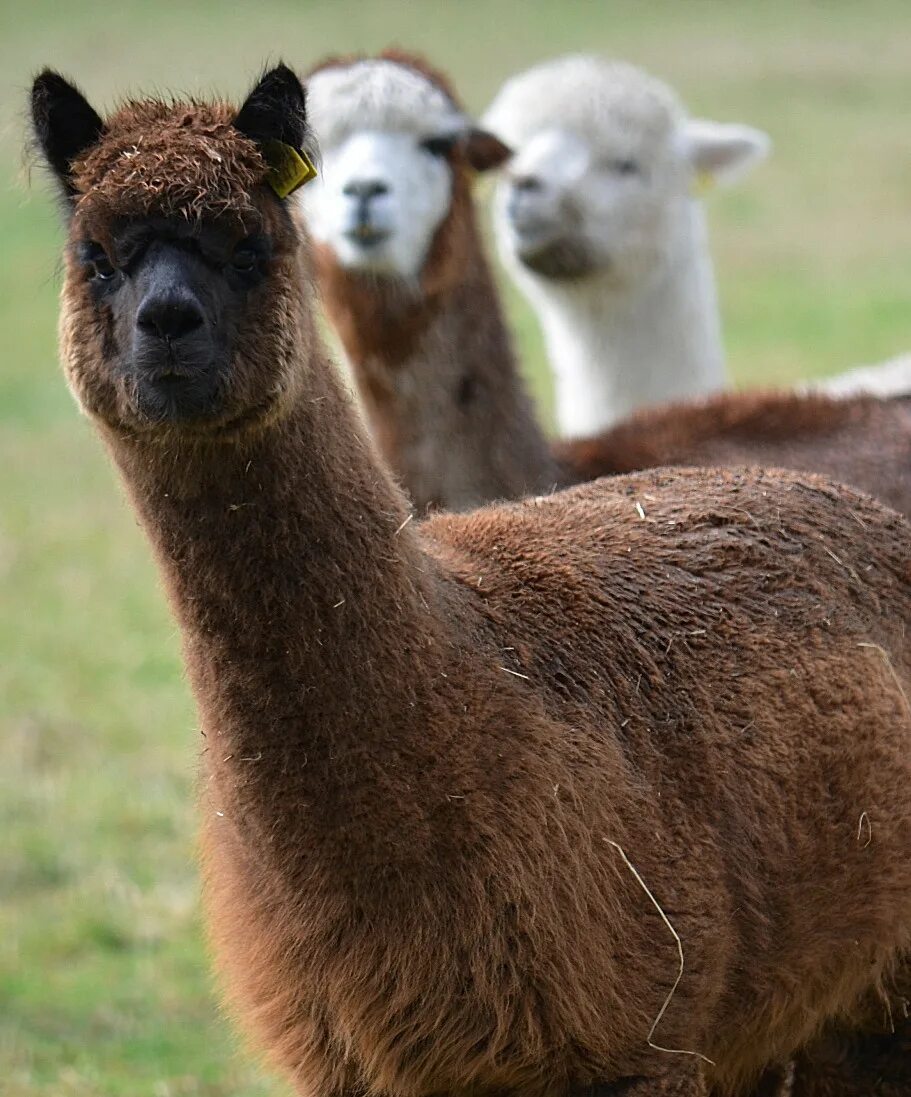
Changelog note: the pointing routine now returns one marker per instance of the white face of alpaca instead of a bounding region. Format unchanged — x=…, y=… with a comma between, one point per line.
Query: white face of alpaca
x=568, y=207
x=379, y=200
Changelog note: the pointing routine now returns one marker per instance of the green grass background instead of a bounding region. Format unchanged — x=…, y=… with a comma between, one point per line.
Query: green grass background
x=104, y=984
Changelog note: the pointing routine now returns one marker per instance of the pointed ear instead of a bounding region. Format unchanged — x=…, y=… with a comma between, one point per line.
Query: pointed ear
x=64, y=123
x=484, y=151
x=275, y=110
x=721, y=152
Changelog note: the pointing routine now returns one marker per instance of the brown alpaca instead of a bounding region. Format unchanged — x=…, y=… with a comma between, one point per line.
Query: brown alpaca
x=436, y=371
x=556, y=795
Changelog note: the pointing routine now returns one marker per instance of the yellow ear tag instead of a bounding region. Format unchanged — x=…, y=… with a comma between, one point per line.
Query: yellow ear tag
x=703, y=181
x=288, y=168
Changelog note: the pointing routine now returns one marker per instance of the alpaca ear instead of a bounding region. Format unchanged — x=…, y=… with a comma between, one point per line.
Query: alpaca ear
x=275, y=110
x=484, y=151
x=721, y=152
x=64, y=123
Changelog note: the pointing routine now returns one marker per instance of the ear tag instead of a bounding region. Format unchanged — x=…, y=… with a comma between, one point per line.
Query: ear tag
x=703, y=182
x=288, y=168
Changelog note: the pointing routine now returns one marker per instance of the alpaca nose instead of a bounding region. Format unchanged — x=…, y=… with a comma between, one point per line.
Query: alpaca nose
x=169, y=315
x=365, y=189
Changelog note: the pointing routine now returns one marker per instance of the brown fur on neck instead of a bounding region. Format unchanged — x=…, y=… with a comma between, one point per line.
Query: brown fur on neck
x=427, y=361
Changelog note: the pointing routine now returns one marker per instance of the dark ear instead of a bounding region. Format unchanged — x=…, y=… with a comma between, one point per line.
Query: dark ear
x=65, y=124
x=275, y=110
x=485, y=151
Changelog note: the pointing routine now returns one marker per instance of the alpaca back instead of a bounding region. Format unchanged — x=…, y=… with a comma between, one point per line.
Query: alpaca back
x=859, y=440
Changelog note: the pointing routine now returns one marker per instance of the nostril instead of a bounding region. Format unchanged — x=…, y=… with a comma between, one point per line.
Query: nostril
x=169, y=317
x=364, y=189
x=527, y=184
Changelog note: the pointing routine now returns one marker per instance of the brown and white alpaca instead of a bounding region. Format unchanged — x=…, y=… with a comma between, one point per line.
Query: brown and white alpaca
x=519, y=801
x=407, y=286
x=405, y=280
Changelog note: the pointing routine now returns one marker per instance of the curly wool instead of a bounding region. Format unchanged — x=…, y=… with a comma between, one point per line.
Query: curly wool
x=394, y=92
x=589, y=95
x=170, y=159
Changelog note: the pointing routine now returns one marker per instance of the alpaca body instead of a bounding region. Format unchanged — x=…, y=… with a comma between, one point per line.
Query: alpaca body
x=462, y=768
x=453, y=769
x=615, y=347
x=885, y=379
x=863, y=441
x=511, y=975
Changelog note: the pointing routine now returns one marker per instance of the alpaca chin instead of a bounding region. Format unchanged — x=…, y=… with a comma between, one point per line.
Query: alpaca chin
x=564, y=260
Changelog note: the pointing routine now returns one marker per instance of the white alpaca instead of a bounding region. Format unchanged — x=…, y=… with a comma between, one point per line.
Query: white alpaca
x=598, y=220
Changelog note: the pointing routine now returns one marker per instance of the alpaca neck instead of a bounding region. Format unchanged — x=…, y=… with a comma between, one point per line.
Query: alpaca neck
x=297, y=584
x=614, y=350
x=440, y=385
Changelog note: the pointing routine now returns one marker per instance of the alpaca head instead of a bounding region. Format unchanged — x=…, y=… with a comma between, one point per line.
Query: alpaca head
x=605, y=167
x=178, y=308
x=394, y=143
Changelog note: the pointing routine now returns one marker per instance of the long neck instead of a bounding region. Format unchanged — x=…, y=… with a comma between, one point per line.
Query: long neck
x=440, y=385
x=306, y=606
x=615, y=349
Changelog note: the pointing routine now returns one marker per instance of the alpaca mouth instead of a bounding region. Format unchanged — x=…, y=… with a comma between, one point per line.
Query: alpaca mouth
x=367, y=236
x=172, y=396
x=560, y=260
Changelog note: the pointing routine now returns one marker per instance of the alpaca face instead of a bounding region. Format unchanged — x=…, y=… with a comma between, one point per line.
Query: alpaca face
x=566, y=209
x=393, y=141
x=602, y=179
x=173, y=301
x=182, y=267
x=380, y=199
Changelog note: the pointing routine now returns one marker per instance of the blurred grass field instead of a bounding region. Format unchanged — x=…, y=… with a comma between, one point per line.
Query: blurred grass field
x=104, y=984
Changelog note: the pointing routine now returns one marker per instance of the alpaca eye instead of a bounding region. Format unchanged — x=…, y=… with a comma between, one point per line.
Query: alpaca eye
x=244, y=260
x=624, y=167
x=102, y=267
x=439, y=146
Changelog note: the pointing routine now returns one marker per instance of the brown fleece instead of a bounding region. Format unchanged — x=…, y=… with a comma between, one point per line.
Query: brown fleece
x=453, y=769
x=172, y=159
x=863, y=441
